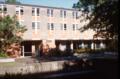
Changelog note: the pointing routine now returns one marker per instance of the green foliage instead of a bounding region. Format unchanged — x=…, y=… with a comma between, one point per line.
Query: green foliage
x=2, y=54
x=90, y=51
x=103, y=17
x=58, y=53
x=83, y=50
x=9, y=29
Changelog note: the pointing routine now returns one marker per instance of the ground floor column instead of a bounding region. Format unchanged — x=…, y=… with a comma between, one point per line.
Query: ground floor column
x=23, y=52
x=92, y=45
x=83, y=45
x=71, y=46
x=33, y=50
x=102, y=45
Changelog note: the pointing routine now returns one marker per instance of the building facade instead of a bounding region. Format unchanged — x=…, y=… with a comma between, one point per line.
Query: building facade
x=56, y=27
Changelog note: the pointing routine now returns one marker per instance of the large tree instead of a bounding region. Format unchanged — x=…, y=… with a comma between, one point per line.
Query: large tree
x=103, y=16
x=10, y=32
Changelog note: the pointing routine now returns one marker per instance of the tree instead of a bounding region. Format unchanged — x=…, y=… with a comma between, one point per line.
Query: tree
x=10, y=32
x=103, y=16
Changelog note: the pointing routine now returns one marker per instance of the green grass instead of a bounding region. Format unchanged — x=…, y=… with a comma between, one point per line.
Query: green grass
x=8, y=64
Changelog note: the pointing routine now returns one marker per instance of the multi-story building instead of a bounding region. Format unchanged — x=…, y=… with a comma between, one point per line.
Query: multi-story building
x=57, y=27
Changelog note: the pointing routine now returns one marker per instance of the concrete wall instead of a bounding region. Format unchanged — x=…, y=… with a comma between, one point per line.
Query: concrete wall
x=25, y=68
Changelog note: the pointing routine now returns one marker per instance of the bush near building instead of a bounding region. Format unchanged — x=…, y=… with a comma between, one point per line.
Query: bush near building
x=10, y=33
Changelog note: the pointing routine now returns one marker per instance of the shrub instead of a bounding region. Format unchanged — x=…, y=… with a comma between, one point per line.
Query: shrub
x=82, y=50
x=58, y=53
x=88, y=50
x=2, y=54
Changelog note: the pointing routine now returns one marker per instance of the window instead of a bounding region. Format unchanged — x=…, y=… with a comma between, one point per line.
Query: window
x=38, y=11
x=75, y=14
x=38, y=25
x=50, y=12
x=33, y=11
x=63, y=13
x=50, y=26
x=65, y=27
x=75, y=26
x=19, y=9
x=33, y=25
x=3, y=8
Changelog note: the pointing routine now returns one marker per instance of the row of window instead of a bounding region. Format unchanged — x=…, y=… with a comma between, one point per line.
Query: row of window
x=36, y=11
x=51, y=26
x=50, y=12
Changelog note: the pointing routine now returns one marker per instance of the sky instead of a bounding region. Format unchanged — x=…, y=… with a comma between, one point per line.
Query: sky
x=51, y=3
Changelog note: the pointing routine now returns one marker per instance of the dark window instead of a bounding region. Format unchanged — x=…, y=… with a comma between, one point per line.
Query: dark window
x=48, y=12
x=73, y=27
x=64, y=14
x=33, y=25
x=65, y=27
x=33, y=11
x=51, y=13
x=61, y=13
x=5, y=9
x=52, y=26
x=38, y=11
x=21, y=11
x=75, y=14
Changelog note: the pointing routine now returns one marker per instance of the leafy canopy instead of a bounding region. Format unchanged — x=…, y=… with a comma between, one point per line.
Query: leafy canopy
x=103, y=17
x=10, y=31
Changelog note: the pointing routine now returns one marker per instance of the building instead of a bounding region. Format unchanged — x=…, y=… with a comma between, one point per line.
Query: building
x=56, y=27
